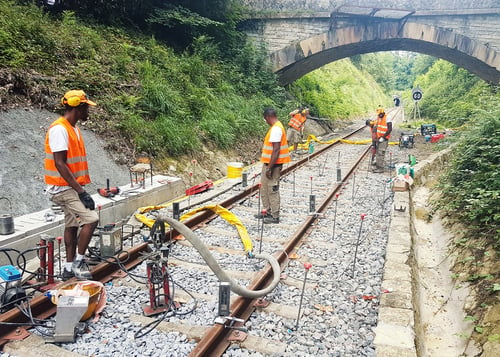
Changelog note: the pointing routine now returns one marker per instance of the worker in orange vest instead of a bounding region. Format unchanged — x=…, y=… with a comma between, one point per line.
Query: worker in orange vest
x=66, y=174
x=384, y=129
x=274, y=155
x=373, y=131
x=296, y=127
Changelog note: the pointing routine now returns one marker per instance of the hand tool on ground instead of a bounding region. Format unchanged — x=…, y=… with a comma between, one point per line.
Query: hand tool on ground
x=108, y=192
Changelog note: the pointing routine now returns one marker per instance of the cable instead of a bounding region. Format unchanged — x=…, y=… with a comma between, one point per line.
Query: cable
x=6, y=252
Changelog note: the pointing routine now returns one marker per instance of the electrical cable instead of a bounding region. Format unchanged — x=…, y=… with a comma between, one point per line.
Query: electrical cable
x=6, y=251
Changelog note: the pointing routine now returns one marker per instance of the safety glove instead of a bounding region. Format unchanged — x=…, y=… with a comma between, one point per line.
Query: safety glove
x=87, y=200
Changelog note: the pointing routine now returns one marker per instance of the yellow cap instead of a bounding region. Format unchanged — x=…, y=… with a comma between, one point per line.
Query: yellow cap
x=380, y=110
x=74, y=98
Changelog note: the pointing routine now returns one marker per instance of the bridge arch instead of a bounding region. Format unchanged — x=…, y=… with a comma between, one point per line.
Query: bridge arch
x=302, y=57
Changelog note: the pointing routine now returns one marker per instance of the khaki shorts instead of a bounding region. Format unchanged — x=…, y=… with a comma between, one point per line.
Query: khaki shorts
x=293, y=136
x=75, y=213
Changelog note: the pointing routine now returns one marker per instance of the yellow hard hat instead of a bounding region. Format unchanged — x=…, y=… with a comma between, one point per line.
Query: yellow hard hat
x=74, y=98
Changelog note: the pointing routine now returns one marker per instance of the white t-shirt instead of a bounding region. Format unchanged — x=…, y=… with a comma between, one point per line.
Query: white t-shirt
x=59, y=141
x=275, y=136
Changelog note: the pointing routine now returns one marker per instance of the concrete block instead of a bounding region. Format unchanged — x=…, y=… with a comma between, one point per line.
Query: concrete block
x=395, y=336
x=28, y=228
x=399, y=237
x=397, y=299
x=396, y=316
x=396, y=271
x=396, y=256
x=392, y=351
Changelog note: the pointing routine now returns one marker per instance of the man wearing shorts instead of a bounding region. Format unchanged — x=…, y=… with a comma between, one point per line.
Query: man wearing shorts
x=66, y=174
x=296, y=127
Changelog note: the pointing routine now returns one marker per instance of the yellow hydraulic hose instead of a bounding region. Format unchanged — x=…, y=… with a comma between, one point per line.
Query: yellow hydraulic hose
x=312, y=137
x=224, y=213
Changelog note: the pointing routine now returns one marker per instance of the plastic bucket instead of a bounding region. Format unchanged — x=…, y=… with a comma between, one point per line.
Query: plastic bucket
x=94, y=291
x=234, y=170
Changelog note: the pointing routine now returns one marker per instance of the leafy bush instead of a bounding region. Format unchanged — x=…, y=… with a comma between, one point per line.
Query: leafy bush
x=339, y=90
x=471, y=187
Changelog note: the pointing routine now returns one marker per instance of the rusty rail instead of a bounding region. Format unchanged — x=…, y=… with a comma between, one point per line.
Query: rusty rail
x=43, y=308
x=215, y=341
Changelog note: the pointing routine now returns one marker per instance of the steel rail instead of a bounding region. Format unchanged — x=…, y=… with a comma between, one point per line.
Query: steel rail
x=43, y=308
x=215, y=340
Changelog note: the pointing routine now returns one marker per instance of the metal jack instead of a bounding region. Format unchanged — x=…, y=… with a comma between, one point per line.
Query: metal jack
x=311, y=185
x=312, y=203
x=46, y=269
x=244, y=180
x=339, y=171
x=307, y=266
x=363, y=215
x=158, y=283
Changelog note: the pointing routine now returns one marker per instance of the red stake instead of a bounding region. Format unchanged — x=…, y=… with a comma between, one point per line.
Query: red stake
x=307, y=266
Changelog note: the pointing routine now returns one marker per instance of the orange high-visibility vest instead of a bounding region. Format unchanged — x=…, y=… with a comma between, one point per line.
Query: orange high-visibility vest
x=267, y=148
x=382, y=127
x=76, y=157
x=297, y=121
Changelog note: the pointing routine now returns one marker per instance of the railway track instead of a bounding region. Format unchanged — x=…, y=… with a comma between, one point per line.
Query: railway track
x=290, y=242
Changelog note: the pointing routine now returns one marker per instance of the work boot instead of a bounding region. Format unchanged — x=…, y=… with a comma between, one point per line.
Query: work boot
x=374, y=162
x=81, y=270
x=260, y=215
x=271, y=220
x=377, y=170
x=66, y=275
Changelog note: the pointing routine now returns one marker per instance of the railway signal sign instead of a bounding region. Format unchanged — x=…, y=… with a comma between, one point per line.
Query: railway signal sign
x=416, y=94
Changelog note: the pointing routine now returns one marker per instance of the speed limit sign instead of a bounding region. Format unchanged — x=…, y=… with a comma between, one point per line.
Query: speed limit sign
x=416, y=94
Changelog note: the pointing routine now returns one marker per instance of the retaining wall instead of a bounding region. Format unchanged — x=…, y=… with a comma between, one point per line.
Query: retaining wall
x=28, y=228
x=399, y=325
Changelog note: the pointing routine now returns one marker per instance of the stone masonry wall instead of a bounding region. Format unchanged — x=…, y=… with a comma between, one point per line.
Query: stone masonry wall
x=279, y=33
x=329, y=5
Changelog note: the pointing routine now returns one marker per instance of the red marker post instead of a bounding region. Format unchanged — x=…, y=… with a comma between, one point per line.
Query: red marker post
x=335, y=214
x=307, y=266
x=363, y=216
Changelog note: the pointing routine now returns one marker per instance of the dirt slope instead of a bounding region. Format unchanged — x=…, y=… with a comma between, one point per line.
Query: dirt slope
x=22, y=135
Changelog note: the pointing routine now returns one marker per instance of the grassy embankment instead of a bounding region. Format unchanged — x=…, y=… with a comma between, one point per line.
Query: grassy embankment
x=165, y=102
x=470, y=188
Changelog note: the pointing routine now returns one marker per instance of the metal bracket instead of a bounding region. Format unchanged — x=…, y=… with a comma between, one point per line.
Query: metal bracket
x=261, y=303
x=400, y=209
x=235, y=323
x=237, y=336
x=19, y=334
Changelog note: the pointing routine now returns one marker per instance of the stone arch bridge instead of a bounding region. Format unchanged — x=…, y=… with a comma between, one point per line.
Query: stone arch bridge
x=302, y=36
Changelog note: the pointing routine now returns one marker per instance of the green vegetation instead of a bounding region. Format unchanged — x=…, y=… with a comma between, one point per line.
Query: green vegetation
x=394, y=71
x=205, y=89
x=339, y=90
x=453, y=97
x=163, y=101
